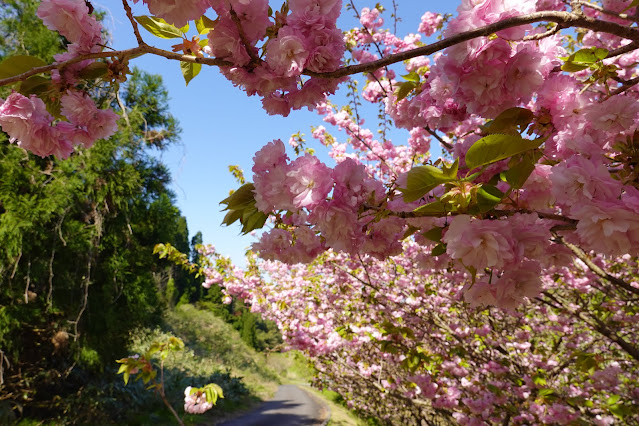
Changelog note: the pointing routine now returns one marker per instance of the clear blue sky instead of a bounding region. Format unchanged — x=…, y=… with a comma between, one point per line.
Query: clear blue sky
x=223, y=126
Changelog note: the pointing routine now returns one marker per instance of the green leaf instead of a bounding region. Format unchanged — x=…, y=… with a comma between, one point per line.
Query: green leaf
x=583, y=59
x=35, y=85
x=434, y=234
x=185, y=29
x=423, y=179
x=410, y=230
x=488, y=197
x=204, y=25
x=438, y=250
x=493, y=148
x=435, y=208
x=16, y=65
x=518, y=174
x=190, y=70
x=572, y=67
x=404, y=90
x=255, y=221
x=217, y=389
x=159, y=27
x=412, y=76
x=539, y=380
x=613, y=399
x=94, y=70
x=126, y=378
x=241, y=198
x=545, y=392
x=510, y=121
x=232, y=217
x=634, y=3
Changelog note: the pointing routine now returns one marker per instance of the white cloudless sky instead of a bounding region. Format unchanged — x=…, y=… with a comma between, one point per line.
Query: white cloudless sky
x=223, y=126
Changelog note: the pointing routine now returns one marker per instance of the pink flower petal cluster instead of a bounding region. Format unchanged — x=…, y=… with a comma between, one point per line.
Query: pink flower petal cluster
x=71, y=18
x=479, y=243
x=177, y=12
x=280, y=185
x=195, y=403
x=29, y=124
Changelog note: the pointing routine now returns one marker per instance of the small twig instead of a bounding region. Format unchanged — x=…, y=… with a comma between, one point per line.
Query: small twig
x=608, y=12
x=626, y=86
x=434, y=134
x=122, y=107
x=581, y=255
x=133, y=52
x=255, y=60
x=622, y=50
x=129, y=15
x=554, y=30
x=160, y=388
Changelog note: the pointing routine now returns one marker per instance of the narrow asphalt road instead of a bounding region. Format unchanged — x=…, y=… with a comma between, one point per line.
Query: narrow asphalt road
x=291, y=405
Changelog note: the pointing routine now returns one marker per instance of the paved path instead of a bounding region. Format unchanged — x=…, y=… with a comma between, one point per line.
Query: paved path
x=291, y=406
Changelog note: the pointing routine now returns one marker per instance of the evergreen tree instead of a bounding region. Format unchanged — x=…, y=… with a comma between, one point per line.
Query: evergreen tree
x=77, y=273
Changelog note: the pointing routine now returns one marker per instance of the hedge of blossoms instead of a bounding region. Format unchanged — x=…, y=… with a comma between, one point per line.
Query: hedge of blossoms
x=538, y=194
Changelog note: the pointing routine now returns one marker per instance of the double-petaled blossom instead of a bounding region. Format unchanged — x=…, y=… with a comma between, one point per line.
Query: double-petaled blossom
x=177, y=12
x=71, y=18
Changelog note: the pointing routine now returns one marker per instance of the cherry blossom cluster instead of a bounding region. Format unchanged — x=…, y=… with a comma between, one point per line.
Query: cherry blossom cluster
x=195, y=402
x=304, y=39
x=394, y=338
x=26, y=119
x=577, y=192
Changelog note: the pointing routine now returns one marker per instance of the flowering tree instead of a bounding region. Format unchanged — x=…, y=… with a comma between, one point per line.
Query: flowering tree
x=496, y=284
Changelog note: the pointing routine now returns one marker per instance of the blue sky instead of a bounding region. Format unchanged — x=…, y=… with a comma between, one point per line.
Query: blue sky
x=223, y=126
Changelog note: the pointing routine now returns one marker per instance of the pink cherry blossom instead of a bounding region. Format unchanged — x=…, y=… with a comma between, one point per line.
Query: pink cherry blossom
x=177, y=12
x=479, y=244
x=309, y=180
x=71, y=19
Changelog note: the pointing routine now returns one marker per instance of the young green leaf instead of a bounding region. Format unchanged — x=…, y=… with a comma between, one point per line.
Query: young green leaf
x=190, y=70
x=510, y=121
x=159, y=27
x=488, y=197
x=204, y=24
x=438, y=250
x=423, y=179
x=404, y=90
x=435, y=208
x=493, y=148
x=518, y=174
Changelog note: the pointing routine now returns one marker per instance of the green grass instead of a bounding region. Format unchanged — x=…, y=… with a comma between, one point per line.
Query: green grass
x=214, y=352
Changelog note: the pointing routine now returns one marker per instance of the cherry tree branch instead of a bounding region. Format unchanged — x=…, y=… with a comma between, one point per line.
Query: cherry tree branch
x=255, y=60
x=129, y=14
x=581, y=255
x=128, y=53
x=563, y=19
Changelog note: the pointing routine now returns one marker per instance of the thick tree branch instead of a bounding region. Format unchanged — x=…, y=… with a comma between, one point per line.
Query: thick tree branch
x=563, y=19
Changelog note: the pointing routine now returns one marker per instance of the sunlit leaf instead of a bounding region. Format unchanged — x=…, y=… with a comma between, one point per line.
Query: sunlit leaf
x=159, y=27
x=493, y=148
x=190, y=70
x=423, y=179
